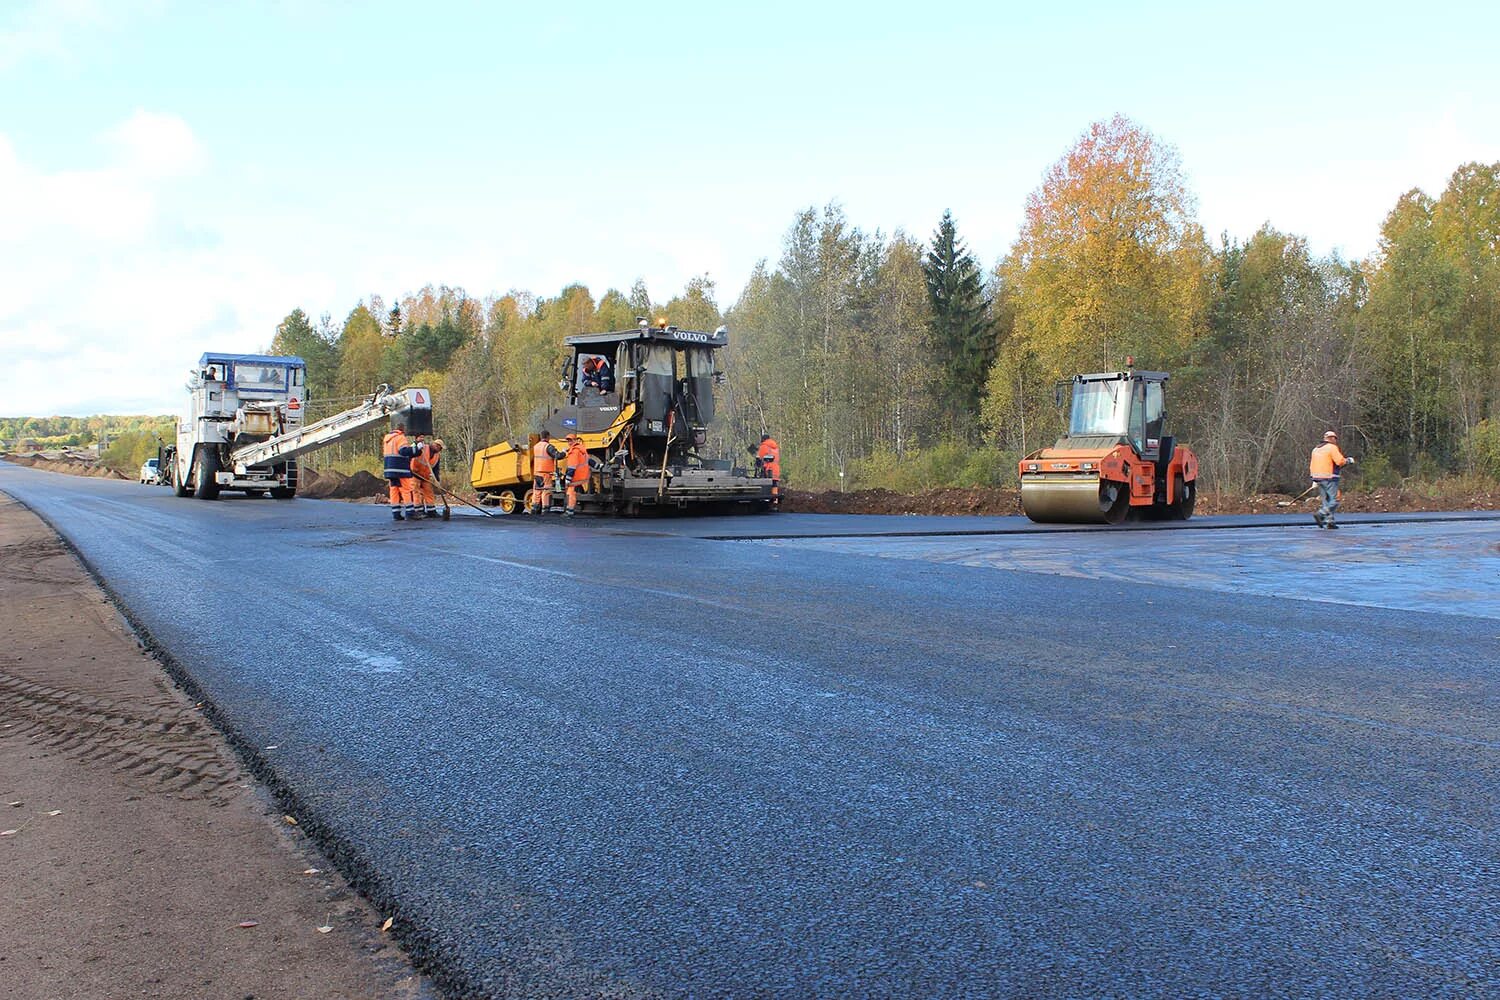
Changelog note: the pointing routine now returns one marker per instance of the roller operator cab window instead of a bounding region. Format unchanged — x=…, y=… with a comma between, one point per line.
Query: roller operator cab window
x=1155, y=412
x=1138, y=415
x=1099, y=408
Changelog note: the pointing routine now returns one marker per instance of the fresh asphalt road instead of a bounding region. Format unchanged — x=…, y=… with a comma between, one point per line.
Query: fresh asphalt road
x=621, y=758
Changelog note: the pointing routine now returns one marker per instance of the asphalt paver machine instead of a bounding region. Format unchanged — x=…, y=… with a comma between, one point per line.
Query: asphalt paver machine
x=1115, y=459
x=642, y=401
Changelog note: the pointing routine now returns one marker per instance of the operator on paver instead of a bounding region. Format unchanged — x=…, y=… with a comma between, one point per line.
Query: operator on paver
x=397, y=450
x=768, y=462
x=578, y=472
x=424, y=474
x=598, y=375
x=1324, y=468
x=544, y=456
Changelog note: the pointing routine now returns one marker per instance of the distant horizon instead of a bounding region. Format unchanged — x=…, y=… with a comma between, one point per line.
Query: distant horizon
x=161, y=195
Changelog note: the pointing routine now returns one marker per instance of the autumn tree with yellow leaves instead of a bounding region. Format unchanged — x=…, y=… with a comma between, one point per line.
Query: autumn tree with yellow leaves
x=1110, y=263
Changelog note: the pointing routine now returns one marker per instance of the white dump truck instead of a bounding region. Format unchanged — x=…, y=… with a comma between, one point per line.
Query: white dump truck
x=244, y=426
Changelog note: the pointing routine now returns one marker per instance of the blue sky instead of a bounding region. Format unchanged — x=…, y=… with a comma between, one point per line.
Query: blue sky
x=175, y=177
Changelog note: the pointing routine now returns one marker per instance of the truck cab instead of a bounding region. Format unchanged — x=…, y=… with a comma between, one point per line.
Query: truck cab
x=235, y=400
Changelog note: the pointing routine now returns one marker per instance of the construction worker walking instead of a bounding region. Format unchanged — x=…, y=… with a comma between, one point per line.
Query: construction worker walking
x=1327, y=461
x=544, y=456
x=397, y=451
x=578, y=472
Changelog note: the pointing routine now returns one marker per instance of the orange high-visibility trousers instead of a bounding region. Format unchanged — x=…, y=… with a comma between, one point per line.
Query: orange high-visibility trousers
x=401, y=492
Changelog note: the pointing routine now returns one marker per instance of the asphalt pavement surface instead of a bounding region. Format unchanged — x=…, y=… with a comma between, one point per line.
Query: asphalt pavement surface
x=814, y=755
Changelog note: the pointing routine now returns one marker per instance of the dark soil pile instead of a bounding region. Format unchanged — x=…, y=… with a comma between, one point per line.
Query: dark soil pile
x=318, y=485
x=360, y=486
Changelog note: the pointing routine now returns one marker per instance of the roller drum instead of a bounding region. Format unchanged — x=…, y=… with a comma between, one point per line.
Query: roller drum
x=1074, y=499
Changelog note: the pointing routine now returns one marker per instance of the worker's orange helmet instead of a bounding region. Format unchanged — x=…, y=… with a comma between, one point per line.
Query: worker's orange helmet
x=1330, y=436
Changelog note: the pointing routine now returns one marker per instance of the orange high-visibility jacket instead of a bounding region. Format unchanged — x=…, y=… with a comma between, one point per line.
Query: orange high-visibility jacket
x=397, y=452
x=542, y=461
x=421, y=464
x=578, y=462
x=1326, y=461
x=769, y=454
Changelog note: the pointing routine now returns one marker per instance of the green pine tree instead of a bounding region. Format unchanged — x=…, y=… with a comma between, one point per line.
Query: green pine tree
x=961, y=332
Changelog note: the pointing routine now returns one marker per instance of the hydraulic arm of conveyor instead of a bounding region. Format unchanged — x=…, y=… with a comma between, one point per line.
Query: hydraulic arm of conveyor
x=329, y=430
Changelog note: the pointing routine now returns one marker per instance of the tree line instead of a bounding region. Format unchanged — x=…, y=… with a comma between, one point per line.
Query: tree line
x=885, y=360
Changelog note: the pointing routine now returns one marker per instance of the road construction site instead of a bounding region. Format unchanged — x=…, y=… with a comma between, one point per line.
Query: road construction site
x=832, y=755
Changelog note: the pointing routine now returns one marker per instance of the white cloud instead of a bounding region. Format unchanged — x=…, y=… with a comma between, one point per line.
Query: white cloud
x=156, y=145
x=114, y=203
x=104, y=306
x=48, y=29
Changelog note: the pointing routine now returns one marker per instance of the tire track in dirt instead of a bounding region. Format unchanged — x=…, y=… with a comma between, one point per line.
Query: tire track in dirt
x=150, y=743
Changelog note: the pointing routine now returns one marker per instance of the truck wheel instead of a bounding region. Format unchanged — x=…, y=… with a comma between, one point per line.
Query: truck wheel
x=282, y=492
x=507, y=502
x=206, y=464
x=179, y=488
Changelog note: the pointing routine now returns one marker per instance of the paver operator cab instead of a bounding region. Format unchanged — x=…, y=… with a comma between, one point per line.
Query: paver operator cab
x=1114, y=459
x=642, y=402
x=244, y=426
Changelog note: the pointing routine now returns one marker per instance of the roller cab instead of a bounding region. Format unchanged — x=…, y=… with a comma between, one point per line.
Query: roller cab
x=1115, y=461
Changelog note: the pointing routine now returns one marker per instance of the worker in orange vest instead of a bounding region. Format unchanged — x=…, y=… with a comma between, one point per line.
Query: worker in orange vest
x=768, y=463
x=578, y=472
x=397, y=450
x=544, y=456
x=424, y=475
x=1324, y=468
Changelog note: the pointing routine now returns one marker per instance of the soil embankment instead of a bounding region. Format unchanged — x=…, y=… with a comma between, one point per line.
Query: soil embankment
x=1000, y=501
x=139, y=859
x=72, y=463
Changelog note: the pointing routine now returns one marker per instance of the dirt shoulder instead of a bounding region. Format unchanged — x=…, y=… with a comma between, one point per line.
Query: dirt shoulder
x=999, y=501
x=134, y=846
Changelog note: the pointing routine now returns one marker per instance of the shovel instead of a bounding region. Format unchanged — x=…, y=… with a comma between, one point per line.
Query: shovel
x=1296, y=499
x=448, y=511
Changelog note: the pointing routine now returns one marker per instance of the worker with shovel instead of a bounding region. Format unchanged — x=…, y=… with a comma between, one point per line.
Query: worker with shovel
x=424, y=474
x=1324, y=468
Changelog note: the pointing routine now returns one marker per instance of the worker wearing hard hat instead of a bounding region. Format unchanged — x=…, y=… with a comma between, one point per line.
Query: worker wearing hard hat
x=544, y=456
x=578, y=472
x=397, y=450
x=1324, y=468
x=424, y=475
